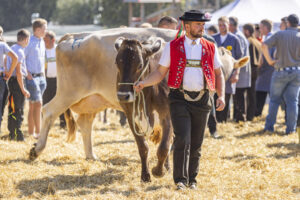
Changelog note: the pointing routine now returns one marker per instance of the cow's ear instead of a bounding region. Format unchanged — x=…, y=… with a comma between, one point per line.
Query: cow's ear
x=241, y=62
x=118, y=43
x=153, y=48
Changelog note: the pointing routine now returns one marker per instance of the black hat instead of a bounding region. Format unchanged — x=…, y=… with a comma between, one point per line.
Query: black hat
x=195, y=15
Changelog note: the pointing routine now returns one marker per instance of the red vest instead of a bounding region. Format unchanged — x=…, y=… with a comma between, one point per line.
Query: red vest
x=178, y=62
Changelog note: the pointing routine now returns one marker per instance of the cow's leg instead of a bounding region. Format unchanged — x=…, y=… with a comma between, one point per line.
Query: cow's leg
x=49, y=113
x=105, y=116
x=143, y=150
x=85, y=123
x=122, y=118
x=164, y=148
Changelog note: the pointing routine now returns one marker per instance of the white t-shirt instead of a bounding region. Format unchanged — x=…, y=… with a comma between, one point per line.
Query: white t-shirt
x=51, y=62
x=223, y=38
x=192, y=77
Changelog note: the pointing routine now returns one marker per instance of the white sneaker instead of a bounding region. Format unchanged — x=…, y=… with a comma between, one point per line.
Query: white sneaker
x=36, y=135
x=180, y=186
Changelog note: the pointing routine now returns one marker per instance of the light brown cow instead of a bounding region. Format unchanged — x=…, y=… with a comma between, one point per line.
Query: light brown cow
x=87, y=77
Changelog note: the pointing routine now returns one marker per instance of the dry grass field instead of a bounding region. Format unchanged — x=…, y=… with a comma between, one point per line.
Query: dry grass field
x=244, y=164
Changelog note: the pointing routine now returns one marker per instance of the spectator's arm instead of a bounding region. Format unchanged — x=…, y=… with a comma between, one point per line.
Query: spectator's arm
x=20, y=80
x=265, y=50
x=14, y=60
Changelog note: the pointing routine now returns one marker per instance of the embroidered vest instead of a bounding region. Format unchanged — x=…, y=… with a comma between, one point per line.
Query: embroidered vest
x=178, y=62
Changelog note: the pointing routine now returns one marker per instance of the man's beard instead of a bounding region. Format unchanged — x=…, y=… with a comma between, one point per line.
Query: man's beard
x=196, y=35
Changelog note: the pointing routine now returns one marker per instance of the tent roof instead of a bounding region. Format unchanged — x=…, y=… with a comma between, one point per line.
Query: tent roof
x=253, y=11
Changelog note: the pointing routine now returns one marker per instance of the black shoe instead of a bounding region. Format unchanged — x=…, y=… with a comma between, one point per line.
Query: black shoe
x=20, y=137
x=180, y=186
x=215, y=135
x=17, y=137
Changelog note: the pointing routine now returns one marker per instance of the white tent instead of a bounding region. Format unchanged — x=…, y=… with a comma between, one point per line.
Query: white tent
x=253, y=11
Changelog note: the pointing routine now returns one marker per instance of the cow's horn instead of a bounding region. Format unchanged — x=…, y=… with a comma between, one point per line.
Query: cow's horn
x=154, y=47
x=119, y=42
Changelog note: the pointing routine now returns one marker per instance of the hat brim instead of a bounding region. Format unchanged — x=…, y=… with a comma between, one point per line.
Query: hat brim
x=182, y=18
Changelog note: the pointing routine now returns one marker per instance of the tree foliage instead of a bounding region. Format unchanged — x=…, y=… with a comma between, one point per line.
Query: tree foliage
x=76, y=11
x=16, y=14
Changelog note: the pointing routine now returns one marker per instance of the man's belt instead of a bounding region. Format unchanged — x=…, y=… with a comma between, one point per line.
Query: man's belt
x=51, y=59
x=193, y=96
x=37, y=74
x=193, y=63
x=189, y=95
x=288, y=68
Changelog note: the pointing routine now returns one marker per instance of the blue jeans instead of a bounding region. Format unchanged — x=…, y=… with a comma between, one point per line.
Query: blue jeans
x=3, y=96
x=284, y=84
x=36, y=88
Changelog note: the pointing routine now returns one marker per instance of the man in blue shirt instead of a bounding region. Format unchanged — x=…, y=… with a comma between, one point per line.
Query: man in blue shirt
x=36, y=82
x=244, y=82
x=230, y=42
x=285, y=81
x=265, y=71
x=16, y=88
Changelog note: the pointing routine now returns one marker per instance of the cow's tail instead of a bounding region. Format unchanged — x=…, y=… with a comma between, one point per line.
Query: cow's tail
x=71, y=124
x=156, y=135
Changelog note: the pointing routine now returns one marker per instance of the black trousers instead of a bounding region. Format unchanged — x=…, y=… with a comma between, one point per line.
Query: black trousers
x=212, y=119
x=189, y=120
x=244, y=108
x=260, y=102
x=15, y=110
x=49, y=94
x=4, y=100
x=239, y=102
x=251, y=101
x=223, y=115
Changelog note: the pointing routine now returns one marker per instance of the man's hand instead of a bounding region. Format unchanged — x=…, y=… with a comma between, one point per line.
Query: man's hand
x=29, y=76
x=6, y=76
x=138, y=86
x=26, y=93
x=234, y=78
x=272, y=62
x=220, y=104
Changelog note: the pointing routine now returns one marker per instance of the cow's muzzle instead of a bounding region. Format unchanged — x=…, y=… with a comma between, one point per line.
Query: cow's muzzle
x=125, y=97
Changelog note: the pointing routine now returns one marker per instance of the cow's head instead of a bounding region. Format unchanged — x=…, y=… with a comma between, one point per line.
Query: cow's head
x=132, y=58
x=229, y=63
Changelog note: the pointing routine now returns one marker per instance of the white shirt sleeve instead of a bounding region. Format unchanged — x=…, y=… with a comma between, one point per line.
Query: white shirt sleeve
x=165, y=58
x=217, y=60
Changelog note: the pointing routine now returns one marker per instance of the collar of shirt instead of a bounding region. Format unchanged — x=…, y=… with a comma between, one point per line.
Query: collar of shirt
x=19, y=46
x=33, y=37
x=268, y=35
x=292, y=29
x=189, y=41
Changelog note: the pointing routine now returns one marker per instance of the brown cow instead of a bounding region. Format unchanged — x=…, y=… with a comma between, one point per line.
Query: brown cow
x=132, y=59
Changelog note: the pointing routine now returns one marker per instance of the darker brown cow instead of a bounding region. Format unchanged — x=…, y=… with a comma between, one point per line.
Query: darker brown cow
x=132, y=60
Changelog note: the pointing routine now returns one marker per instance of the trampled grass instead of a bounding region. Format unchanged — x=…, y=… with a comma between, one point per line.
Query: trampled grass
x=244, y=164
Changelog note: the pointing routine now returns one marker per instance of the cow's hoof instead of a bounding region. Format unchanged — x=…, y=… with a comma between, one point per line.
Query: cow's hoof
x=146, y=178
x=93, y=157
x=158, y=172
x=32, y=154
